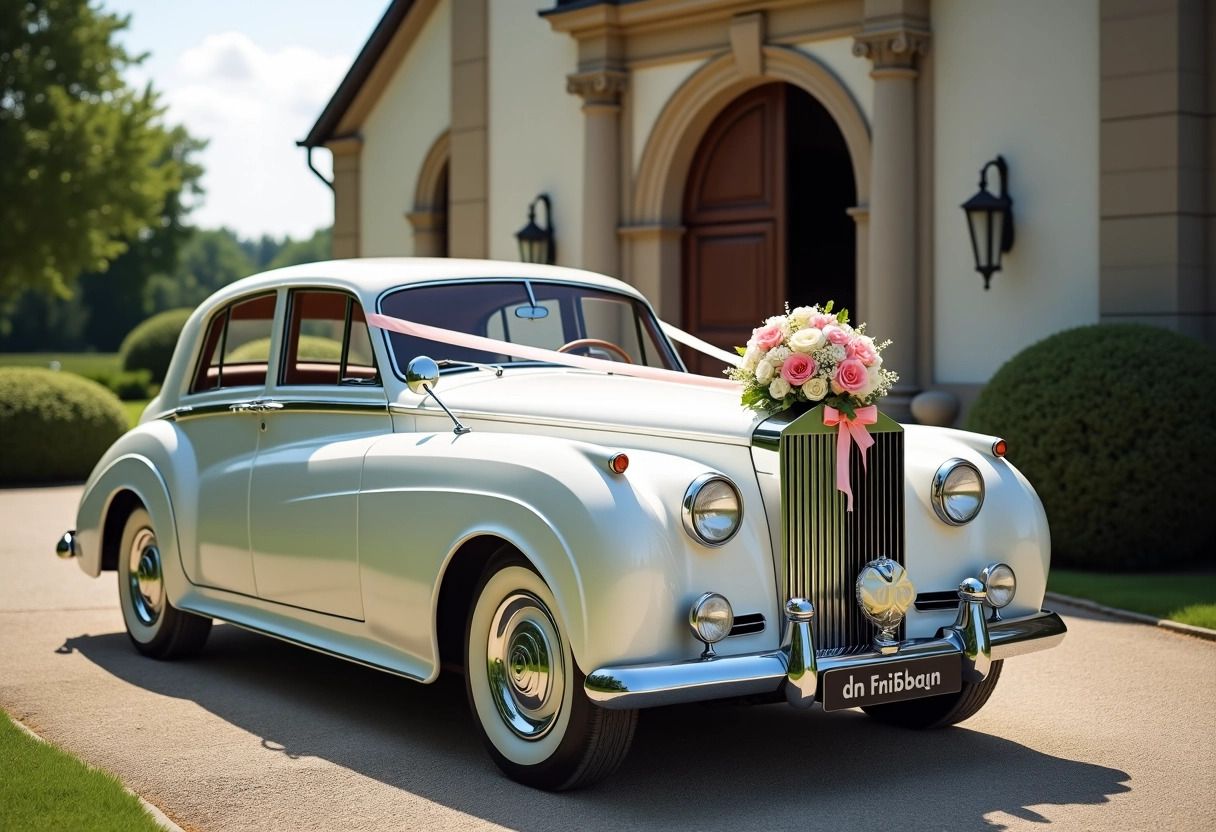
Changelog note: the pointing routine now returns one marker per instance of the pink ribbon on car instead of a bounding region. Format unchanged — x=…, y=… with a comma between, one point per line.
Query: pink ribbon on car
x=850, y=430
x=477, y=342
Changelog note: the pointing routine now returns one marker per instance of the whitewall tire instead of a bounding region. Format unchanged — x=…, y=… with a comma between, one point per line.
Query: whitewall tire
x=156, y=627
x=526, y=692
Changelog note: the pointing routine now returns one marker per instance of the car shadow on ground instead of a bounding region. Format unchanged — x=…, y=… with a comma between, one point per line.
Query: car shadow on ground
x=690, y=766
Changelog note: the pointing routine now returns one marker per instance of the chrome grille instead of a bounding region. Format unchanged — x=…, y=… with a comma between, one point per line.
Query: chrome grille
x=826, y=546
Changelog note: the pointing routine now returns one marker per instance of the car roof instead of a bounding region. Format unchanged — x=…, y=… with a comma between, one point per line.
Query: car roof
x=368, y=278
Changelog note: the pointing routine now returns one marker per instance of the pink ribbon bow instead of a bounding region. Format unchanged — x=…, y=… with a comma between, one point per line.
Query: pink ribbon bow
x=850, y=429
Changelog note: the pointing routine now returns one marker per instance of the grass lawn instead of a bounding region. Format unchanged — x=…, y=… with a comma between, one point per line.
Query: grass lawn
x=134, y=409
x=73, y=362
x=44, y=788
x=1188, y=598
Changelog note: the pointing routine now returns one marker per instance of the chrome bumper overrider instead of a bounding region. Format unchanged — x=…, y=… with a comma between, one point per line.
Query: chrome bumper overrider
x=976, y=640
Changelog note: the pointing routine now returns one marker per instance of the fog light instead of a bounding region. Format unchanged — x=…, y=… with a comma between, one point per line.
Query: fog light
x=1001, y=584
x=711, y=618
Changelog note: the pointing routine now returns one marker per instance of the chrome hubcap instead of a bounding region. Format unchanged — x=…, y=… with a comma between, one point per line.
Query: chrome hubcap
x=526, y=672
x=147, y=588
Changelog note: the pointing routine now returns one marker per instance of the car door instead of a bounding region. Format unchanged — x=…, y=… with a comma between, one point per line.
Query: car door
x=219, y=424
x=322, y=412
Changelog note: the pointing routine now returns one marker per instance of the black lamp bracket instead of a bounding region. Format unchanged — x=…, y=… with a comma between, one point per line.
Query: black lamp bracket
x=1003, y=169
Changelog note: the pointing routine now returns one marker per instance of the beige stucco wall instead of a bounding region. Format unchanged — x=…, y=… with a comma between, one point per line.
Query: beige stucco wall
x=1019, y=79
x=649, y=89
x=854, y=72
x=536, y=129
x=412, y=112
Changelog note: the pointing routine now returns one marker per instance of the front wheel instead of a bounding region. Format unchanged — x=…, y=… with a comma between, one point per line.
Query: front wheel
x=939, y=711
x=526, y=692
x=156, y=627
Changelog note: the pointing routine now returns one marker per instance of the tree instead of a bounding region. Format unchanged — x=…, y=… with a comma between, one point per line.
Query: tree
x=79, y=177
x=312, y=250
x=208, y=261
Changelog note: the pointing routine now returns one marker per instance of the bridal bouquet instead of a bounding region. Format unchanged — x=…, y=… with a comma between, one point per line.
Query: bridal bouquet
x=812, y=355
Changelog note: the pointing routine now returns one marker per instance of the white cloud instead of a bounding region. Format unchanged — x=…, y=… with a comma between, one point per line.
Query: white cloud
x=253, y=105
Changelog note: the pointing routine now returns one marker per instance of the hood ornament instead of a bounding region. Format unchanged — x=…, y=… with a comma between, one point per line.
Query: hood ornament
x=884, y=594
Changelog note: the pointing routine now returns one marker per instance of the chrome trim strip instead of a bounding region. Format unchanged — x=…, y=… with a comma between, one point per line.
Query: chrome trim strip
x=650, y=685
x=329, y=406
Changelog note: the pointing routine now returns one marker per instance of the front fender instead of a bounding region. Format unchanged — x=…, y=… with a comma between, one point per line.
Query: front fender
x=609, y=546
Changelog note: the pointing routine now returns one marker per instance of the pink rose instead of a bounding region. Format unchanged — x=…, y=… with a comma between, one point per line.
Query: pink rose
x=822, y=319
x=767, y=337
x=862, y=349
x=798, y=369
x=851, y=375
x=836, y=335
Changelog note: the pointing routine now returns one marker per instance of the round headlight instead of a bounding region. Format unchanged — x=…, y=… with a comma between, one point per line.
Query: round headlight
x=712, y=509
x=958, y=492
x=1001, y=584
x=711, y=618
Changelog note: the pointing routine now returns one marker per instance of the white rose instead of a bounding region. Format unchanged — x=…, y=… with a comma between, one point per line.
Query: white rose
x=873, y=377
x=807, y=340
x=815, y=389
x=752, y=357
x=779, y=320
x=777, y=355
x=802, y=315
x=779, y=389
x=765, y=371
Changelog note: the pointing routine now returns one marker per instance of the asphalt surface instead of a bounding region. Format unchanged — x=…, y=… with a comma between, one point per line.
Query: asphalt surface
x=1114, y=729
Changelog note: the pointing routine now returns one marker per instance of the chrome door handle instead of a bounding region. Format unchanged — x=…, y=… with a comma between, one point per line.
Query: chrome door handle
x=264, y=406
x=243, y=407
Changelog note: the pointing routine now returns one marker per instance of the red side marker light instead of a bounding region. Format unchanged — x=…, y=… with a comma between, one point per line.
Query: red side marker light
x=999, y=447
x=618, y=463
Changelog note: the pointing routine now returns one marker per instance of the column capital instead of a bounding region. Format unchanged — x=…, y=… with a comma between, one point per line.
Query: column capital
x=892, y=48
x=598, y=87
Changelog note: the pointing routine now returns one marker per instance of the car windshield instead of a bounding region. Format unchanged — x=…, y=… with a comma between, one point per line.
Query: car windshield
x=584, y=320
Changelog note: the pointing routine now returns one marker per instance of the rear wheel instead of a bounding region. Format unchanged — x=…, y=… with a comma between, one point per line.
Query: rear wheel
x=939, y=711
x=526, y=692
x=156, y=627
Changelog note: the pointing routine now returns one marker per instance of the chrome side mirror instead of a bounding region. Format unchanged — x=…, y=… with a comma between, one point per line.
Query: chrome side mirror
x=421, y=375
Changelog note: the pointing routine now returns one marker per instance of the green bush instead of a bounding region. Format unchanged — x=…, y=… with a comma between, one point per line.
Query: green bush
x=150, y=345
x=312, y=348
x=128, y=385
x=54, y=426
x=1114, y=425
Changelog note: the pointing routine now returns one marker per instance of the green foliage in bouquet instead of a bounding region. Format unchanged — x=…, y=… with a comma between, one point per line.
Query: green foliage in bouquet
x=150, y=345
x=1114, y=425
x=54, y=426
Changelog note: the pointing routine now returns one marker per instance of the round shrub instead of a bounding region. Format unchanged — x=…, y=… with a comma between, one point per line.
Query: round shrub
x=54, y=426
x=150, y=345
x=311, y=348
x=1114, y=426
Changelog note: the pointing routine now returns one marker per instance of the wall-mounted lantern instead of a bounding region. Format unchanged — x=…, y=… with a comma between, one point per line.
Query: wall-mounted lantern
x=990, y=220
x=535, y=243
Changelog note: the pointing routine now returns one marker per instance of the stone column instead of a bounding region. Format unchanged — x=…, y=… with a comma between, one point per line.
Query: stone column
x=891, y=293
x=348, y=159
x=601, y=93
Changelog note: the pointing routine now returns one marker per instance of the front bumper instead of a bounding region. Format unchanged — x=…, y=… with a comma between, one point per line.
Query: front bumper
x=795, y=668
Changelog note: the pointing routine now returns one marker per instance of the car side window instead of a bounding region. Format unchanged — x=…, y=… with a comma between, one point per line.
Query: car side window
x=327, y=341
x=237, y=345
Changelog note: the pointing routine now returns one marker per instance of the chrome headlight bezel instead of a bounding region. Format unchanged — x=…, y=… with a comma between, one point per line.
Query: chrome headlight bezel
x=993, y=576
x=689, y=510
x=701, y=619
x=940, y=495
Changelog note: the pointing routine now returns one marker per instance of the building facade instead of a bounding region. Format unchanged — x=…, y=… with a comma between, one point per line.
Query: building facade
x=727, y=156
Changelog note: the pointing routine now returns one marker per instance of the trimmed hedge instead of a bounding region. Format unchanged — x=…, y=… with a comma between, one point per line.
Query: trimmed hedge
x=130, y=386
x=54, y=426
x=1114, y=425
x=150, y=345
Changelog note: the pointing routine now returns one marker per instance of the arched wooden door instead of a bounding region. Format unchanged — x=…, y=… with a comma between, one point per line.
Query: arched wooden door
x=765, y=217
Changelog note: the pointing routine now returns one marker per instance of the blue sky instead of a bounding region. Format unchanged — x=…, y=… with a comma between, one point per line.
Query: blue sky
x=251, y=77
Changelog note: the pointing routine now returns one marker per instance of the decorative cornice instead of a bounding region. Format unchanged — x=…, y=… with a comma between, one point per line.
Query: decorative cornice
x=892, y=48
x=600, y=87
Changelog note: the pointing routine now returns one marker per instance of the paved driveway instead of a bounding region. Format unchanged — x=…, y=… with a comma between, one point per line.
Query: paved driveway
x=1114, y=729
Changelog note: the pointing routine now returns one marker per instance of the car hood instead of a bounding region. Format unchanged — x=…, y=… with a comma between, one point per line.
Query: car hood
x=560, y=396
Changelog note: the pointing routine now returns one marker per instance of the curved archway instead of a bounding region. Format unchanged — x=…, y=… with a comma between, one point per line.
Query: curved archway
x=429, y=217
x=653, y=232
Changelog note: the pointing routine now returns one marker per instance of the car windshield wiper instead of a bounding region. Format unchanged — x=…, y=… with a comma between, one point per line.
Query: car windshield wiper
x=450, y=362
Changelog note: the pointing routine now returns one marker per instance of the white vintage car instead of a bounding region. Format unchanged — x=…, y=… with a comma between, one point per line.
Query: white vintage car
x=504, y=469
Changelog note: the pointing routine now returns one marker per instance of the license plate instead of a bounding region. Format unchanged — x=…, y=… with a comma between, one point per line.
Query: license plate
x=895, y=681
